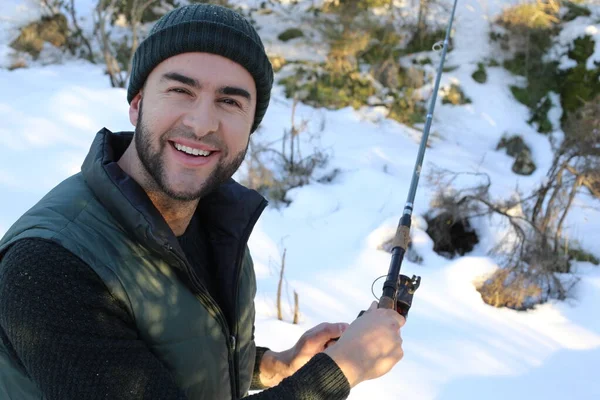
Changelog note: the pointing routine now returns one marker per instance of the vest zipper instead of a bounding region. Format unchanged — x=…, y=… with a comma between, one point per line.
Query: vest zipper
x=213, y=308
x=240, y=257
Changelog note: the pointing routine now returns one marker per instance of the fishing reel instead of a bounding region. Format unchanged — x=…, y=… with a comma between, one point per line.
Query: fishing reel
x=402, y=301
x=404, y=295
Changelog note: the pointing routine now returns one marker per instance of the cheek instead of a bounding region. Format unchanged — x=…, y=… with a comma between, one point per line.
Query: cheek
x=237, y=136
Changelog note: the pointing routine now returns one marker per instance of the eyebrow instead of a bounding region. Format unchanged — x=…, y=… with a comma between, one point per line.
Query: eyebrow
x=235, y=91
x=186, y=80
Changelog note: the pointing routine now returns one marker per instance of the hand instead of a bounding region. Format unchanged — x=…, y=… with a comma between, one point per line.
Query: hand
x=371, y=345
x=276, y=366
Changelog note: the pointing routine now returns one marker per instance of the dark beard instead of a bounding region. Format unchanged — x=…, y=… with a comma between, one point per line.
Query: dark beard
x=154, y=165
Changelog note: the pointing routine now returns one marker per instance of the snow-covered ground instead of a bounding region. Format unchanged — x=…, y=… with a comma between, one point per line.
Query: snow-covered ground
x=456, y=347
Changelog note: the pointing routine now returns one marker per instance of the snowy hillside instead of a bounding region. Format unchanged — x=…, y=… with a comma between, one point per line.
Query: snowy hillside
x=456, y=347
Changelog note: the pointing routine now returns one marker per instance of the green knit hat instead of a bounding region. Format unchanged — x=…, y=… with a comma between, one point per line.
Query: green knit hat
x=205, y=28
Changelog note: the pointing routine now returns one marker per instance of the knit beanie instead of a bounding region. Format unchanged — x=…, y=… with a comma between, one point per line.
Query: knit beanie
x=206, y=28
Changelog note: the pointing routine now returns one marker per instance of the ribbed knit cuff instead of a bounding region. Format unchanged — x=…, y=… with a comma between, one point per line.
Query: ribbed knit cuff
x=321, y=378
x=256, y=384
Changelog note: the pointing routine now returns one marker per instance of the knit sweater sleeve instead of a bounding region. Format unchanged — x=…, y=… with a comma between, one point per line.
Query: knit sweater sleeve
x=62, y=327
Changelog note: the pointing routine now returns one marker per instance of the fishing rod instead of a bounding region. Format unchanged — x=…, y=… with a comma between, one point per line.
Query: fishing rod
x=398, y=289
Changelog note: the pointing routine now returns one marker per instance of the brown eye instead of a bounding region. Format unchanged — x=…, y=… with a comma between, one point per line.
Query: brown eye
x=179, y=90
x=231, y=102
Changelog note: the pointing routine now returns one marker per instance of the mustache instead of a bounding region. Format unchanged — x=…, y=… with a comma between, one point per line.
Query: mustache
x=210, y=139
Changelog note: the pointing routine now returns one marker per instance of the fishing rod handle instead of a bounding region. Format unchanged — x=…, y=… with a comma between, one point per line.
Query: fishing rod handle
x=387, y=302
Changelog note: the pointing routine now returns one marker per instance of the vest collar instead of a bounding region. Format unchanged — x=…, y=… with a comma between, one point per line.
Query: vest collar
x=229, y=212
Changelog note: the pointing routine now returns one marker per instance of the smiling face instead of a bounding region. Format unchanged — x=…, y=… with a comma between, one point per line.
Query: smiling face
x=192, y=124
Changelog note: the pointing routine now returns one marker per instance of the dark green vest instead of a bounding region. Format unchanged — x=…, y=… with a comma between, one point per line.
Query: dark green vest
x=103, y=216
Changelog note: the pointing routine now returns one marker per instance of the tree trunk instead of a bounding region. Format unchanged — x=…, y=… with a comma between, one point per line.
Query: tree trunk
x=550, y=209
x=296, y=309
x=279, y=287
x=574, y=188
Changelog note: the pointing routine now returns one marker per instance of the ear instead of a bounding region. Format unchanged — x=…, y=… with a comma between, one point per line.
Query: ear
x=134, y=108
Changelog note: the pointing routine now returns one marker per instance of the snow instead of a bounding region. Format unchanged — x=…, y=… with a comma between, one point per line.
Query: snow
x=578, y=28
x=456, y=347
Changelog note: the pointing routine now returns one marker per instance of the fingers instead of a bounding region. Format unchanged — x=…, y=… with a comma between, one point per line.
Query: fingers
x=402, y=320
x=326, y=331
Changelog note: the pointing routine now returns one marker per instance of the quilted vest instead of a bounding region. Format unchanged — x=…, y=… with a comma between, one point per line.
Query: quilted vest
x=105, y=218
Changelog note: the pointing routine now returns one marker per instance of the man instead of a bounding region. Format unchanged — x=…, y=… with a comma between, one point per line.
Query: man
x=132, y=279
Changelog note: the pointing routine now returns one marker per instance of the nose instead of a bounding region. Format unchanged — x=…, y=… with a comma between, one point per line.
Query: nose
x=202, y=118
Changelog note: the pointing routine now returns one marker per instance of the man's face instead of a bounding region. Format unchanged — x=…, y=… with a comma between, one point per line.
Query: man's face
x=195, y=103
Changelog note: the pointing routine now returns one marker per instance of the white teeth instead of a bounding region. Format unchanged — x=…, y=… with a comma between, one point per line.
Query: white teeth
x=189, y=150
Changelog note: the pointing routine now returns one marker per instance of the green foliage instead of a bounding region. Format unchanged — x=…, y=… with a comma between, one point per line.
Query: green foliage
x=497, y=36
x=480, y=75
x=578, y=84
x=352, y=7
x=406, y=109
x=575, y=11
x=422, y=61
x=454, y=95
x=517, y=65
x=582, y=49
x=290, y=34
x=541, y=79
x=582, y=255
x=369, y=4
x=383, y=45
x=124, y=8
x=424, y=41
x=521, y=94
x=346, y=44
x=329, y=90
x=493, y=63
x=539, y=115
x=450, y=68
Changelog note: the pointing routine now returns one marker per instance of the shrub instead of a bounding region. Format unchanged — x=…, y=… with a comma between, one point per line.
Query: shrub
x=407, y=109
x=506, y=288
x=574, y=11
x=273, y=172
x=531, y=255
x=424, y=41
x=53, y=30
x=454, y=95
x=383, y=45
x=579, y=84
x=539, y=15
x=450, y=68
x=539, y=115
x=290, y=34
x=277, y=62
x=329, y=90
x=582, y=255
x=480, y=75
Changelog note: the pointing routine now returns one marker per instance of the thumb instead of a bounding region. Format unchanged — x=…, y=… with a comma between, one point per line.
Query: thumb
x=373, y=306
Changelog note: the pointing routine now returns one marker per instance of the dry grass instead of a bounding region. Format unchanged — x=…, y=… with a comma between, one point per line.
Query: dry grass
x=541, y=14
x=506, y=288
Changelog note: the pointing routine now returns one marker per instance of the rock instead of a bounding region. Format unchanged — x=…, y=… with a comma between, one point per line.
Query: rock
x=450, y=236
x=516, y=147
x=387, y=73
x=524, y=165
